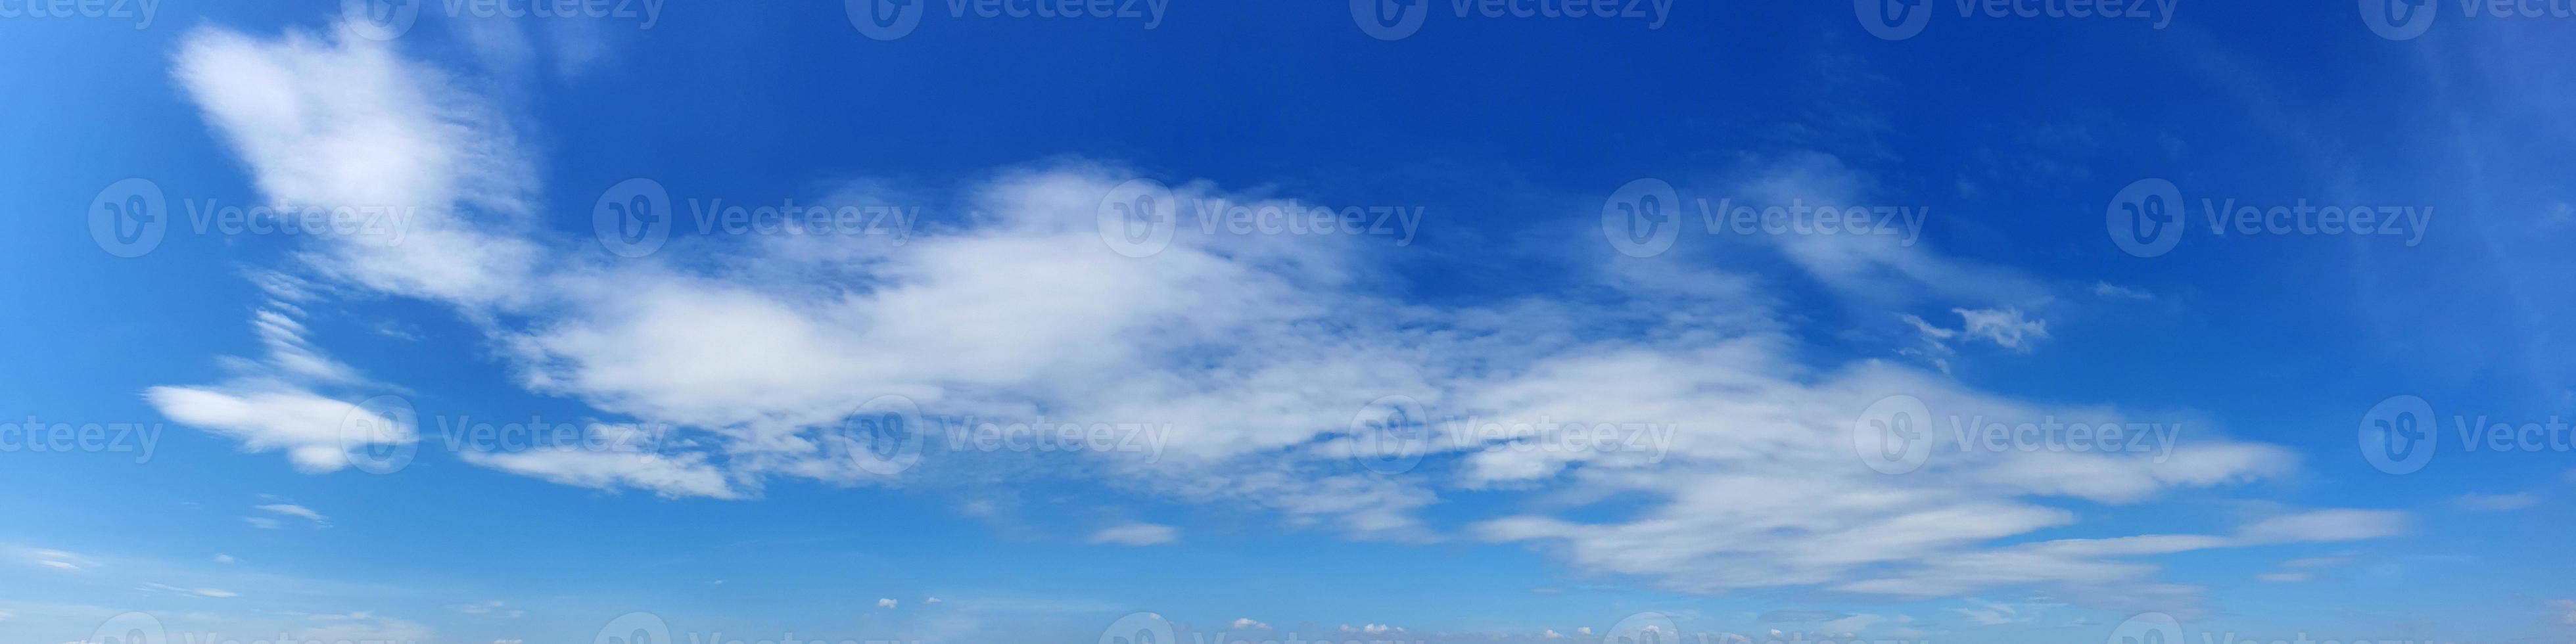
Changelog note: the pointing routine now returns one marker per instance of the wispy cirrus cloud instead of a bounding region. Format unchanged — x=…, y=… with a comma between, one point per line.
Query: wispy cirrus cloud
x=1255, y=351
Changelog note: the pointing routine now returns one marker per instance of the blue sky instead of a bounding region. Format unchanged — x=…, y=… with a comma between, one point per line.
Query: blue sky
x=1441, y=328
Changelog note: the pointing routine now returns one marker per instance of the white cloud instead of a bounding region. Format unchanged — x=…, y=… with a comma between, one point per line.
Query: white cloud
x=50, y=558
x=677, y=475
x=317, y=433
x=269, y=404
x=2325, y=525
x=2496, y=502
x=2106, y=289
x=2283, y=577
x=493, y=608
x=223, y=558
x=1882, y=269
x=1247, y=623
x=1255, y=351
x=1137, y=534
x=287, y=510
x=1990, y=613
x=2316, y=562
x=200, y=592
x=345, y=121
x=885, y=603
x=2004, y=327
x=2567, y=610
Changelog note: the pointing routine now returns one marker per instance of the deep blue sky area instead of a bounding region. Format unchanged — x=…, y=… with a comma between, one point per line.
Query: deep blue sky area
x=286, y=420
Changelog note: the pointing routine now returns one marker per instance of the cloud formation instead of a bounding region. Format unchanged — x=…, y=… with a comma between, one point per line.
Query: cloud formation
x=1258, y=352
